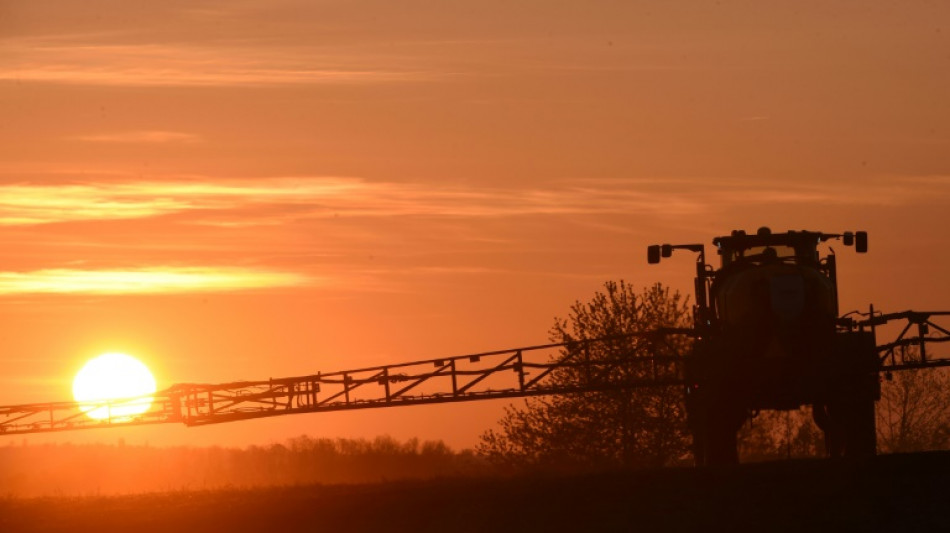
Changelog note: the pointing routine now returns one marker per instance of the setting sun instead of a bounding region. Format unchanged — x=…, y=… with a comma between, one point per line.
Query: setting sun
x=109, y=377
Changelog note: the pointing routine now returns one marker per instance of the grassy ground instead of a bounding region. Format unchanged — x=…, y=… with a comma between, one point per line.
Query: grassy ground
x=888, y=493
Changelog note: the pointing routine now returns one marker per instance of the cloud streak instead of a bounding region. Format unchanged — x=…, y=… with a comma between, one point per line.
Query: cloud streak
x=182, y=65
x=277, y=201
x=153, y=280
x=145, y=136
x=254, y=202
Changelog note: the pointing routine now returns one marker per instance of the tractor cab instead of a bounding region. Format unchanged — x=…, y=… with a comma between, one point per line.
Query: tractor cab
x=739, y=251
x=792, y=247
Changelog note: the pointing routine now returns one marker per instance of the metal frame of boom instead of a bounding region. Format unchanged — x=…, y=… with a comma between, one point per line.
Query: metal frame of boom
x=519, y=372
x=919, y=330
x=530, y=371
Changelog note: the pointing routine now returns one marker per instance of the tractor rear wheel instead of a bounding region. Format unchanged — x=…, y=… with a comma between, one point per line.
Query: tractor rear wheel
x=715, y=436
x=849, y=427
x=860, y=429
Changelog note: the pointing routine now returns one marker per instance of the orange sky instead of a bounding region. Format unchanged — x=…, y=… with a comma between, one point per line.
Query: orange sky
x=260, y=188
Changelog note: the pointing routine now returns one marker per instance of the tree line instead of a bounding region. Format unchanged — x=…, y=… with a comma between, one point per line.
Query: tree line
x=99, y=469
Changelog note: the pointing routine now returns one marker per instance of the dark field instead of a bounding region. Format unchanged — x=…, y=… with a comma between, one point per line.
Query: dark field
x=887, y=493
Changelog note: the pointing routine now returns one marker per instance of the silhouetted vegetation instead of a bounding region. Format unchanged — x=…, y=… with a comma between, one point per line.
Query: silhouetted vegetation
x=774, y=435
x=66, y=469
x=644, y=427
x=914, y=411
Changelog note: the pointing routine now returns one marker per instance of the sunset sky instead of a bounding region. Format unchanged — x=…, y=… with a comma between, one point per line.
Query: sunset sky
x=247, y=189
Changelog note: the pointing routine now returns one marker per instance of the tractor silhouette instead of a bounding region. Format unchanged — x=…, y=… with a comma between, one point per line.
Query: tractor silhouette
x=768, y=336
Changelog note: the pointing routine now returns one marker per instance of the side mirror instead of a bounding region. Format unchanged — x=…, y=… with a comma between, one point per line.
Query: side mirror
x=848, y=238
x=666, y=250
x=861, y=242
x=653, y=254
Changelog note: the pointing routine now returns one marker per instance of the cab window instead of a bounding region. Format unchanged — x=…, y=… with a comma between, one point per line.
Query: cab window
x=780, y=251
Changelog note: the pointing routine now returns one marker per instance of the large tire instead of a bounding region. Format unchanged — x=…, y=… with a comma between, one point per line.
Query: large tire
x=714, y=429
x=849, y=427
x=831, y=428
x=721, y=445
x=860, y=429
x=848, y=418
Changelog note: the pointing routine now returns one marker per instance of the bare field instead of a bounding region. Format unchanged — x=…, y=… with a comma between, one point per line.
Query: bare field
x=887, y=493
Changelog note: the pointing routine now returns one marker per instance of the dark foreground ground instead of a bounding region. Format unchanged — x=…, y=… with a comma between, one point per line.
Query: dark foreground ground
x=888, y=493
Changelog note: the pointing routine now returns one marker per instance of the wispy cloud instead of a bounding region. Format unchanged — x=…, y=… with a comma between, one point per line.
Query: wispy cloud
x=192, y=65
x=38, y=204
x=33, y=204
x=145, y=280
x=269, y=201
x=275, y=201
x=144, y=136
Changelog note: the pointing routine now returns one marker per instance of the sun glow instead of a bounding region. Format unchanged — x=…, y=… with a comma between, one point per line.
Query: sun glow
x=111, y=377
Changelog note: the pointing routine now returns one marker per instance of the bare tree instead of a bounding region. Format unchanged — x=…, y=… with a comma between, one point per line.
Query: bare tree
x=629, y=427
x=914, y=411
x=775, y=435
